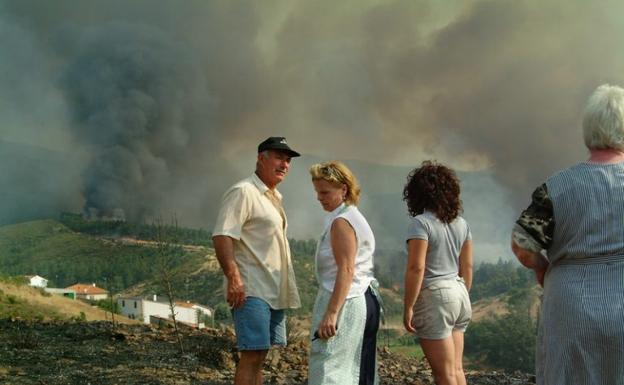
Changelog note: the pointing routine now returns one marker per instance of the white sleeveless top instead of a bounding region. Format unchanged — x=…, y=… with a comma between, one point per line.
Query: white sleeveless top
x=326, y=268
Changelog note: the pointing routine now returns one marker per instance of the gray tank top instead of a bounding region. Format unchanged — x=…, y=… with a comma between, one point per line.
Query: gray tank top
x=444, y=243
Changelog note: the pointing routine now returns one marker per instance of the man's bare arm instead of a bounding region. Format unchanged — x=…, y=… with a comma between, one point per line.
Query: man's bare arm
x=224, y=248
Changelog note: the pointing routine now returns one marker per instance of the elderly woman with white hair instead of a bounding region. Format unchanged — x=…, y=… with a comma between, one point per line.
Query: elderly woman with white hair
x=572, y=236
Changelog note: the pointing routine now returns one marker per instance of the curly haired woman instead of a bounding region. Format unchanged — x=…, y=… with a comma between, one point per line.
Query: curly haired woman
x=439, y=270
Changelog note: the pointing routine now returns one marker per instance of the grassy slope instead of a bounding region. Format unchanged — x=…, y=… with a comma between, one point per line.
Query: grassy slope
x=200, y=280
x=21, y=301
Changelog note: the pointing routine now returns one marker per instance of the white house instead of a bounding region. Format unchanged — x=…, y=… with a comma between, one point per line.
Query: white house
x=37, y=281
x=140, y=308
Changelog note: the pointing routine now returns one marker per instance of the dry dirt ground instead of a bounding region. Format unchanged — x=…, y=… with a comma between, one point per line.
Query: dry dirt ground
x=92, y=353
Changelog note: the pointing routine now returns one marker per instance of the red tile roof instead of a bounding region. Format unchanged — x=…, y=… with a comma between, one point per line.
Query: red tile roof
x=81, y=288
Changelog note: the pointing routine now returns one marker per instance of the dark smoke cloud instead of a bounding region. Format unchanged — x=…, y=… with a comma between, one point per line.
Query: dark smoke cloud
x=164, y=102
x=138, y=99
x=153, y=95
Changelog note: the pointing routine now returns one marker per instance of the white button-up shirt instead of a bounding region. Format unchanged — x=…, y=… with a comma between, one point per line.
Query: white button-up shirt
x=261, y=250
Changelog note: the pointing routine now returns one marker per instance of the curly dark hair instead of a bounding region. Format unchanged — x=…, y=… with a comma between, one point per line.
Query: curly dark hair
x=433, y=187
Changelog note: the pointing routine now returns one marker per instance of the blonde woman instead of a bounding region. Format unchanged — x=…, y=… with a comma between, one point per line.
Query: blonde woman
x=346, y=311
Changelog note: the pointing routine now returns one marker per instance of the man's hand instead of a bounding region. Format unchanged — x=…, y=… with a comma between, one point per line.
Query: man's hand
x=224, y=248
x=235, y=292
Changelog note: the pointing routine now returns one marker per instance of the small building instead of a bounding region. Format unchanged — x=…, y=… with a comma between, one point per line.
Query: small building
x=37, y=281
x=63, y=292
x=88, y=292
x=188, y=313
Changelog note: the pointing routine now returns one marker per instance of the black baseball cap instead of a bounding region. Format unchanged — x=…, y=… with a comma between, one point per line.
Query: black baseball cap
x=277, y=143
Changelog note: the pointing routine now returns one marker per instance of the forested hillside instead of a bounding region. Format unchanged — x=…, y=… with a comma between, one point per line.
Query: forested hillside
x=102, y=252
x=146, y=231
x=492, y=279
x=129, y=258
x=133, y=259
x=65, y=257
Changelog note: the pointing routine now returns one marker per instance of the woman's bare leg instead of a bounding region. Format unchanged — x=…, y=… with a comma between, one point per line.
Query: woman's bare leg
x=441, y=357
x=458, y=340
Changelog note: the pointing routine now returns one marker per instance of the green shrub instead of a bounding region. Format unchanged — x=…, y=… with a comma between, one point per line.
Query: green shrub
x=15, y=280
x=509, y=341
x=12, y=300
x=492, y=279
x=222, y=312
x=106, y=305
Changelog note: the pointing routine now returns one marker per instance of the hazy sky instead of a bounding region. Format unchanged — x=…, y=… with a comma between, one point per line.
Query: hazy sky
x=159, y=105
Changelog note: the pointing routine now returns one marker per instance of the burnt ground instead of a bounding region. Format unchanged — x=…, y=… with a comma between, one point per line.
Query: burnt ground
x=91, y=353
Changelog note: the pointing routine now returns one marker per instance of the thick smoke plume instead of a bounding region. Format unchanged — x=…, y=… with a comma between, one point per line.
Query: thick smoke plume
x=157, y=107
x=138, y=100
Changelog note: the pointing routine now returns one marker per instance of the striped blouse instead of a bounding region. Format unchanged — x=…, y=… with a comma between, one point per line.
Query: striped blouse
x=577, y=213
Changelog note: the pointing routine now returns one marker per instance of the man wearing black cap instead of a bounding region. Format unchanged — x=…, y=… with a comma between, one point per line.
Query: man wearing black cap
x=252, y=249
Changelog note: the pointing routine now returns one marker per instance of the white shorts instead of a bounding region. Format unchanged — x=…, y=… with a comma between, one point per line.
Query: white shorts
x=441, y=308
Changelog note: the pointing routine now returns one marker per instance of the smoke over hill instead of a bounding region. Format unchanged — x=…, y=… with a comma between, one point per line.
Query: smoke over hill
x=158, y=107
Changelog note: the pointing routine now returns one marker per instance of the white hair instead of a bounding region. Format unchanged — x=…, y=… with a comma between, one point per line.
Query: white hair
x=264, y=154
x=603, y=122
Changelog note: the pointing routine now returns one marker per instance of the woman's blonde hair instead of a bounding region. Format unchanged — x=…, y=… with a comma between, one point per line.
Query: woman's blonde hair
x=337, y=174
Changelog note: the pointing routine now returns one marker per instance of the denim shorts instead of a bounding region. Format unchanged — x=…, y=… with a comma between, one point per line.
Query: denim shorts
x=258, y=326
x=441, y=308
